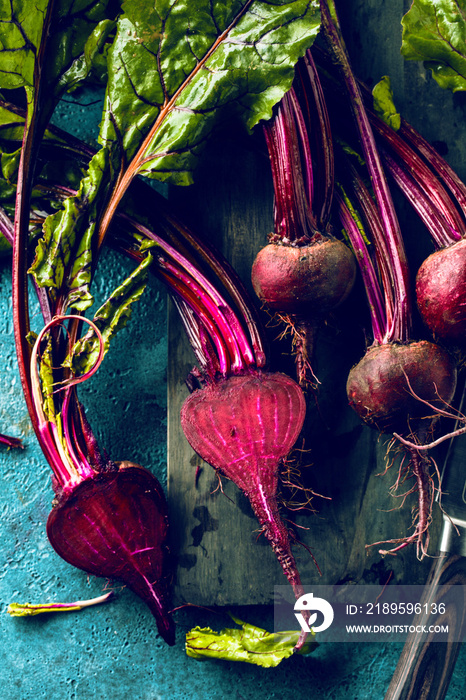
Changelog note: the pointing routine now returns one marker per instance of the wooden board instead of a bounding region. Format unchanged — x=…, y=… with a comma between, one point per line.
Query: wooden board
x=220, y=560
x=214, y=536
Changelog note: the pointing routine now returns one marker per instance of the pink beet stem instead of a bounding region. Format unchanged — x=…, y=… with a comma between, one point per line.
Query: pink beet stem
x=423, y=175
x=439, y=228
x=78, y=458
x=199, y=308
x=399, y=326
x=198, y=337
x=11, y=441
x=297, y=214
x=456, y=186
x=369, y=211
x=292, y=219
x=214, y=310
x=221, y=269
x=322, y=145
x=368, y=272
x=205, y=288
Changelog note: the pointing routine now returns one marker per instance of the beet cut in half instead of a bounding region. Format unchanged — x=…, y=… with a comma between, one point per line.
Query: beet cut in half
x=115, y=525
x=244, y=426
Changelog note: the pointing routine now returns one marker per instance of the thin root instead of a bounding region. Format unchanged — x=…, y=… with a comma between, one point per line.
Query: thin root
x=302, y=342
x=220, y=487
x=417, y=469
x=452, y=414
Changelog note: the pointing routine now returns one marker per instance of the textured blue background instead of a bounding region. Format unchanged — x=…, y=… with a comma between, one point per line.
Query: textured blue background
x=113, y=651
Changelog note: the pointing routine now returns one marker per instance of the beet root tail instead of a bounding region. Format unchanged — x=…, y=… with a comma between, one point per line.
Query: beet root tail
x=244, y=426
x=266, y=512
x=304, y=334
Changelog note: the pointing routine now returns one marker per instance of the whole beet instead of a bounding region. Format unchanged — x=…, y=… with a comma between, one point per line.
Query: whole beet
x=385, y=389
x=310, y=280
x=379, y=392
x=441, y=292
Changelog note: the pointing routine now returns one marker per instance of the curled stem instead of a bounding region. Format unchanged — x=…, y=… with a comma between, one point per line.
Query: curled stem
x=56, y=431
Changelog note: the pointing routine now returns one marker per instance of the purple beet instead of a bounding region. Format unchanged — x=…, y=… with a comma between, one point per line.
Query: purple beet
x=384, y=389
x=379, y=392
x=304, y=273
x=441, y=292
x=309, y=280
x=115, y=525
x=244, y=426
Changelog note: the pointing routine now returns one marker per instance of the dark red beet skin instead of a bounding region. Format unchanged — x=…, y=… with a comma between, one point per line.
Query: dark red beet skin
x=115, y=525
x=378, y=390
x=441, y=292
x=311, y=279
x=243, y=426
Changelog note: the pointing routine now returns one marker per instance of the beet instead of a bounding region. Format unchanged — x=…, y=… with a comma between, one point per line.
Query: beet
x=378, y=390
x=244, y=426
x=308, y=280
x=441, y=292
x=115, y=525
x=381, y=390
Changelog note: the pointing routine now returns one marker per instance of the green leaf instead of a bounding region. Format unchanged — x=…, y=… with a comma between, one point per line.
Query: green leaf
x=434, y=31
x=9, y=164
x=47, y=380
x=21, y=27
x=63, y=28
x=65, y=170
x=109, y=319
x=173, y=73
x=5, y=246
x=11, y=123
x=384, y=104
x=90, y=59
x=64, y=254
x=250, y=644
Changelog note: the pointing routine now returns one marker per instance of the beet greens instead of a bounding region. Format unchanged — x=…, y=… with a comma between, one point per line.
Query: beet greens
x=433, y=32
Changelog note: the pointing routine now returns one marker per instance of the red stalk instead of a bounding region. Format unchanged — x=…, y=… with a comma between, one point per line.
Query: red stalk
x=399, y=328
x=368, y=272
x=379, y=387
x=440, y=230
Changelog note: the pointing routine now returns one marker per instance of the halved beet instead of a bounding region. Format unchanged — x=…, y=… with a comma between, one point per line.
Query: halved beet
x=441, y=292
x=379, y=392
x=311, y=279
x=244, y=426
x=115, y=525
